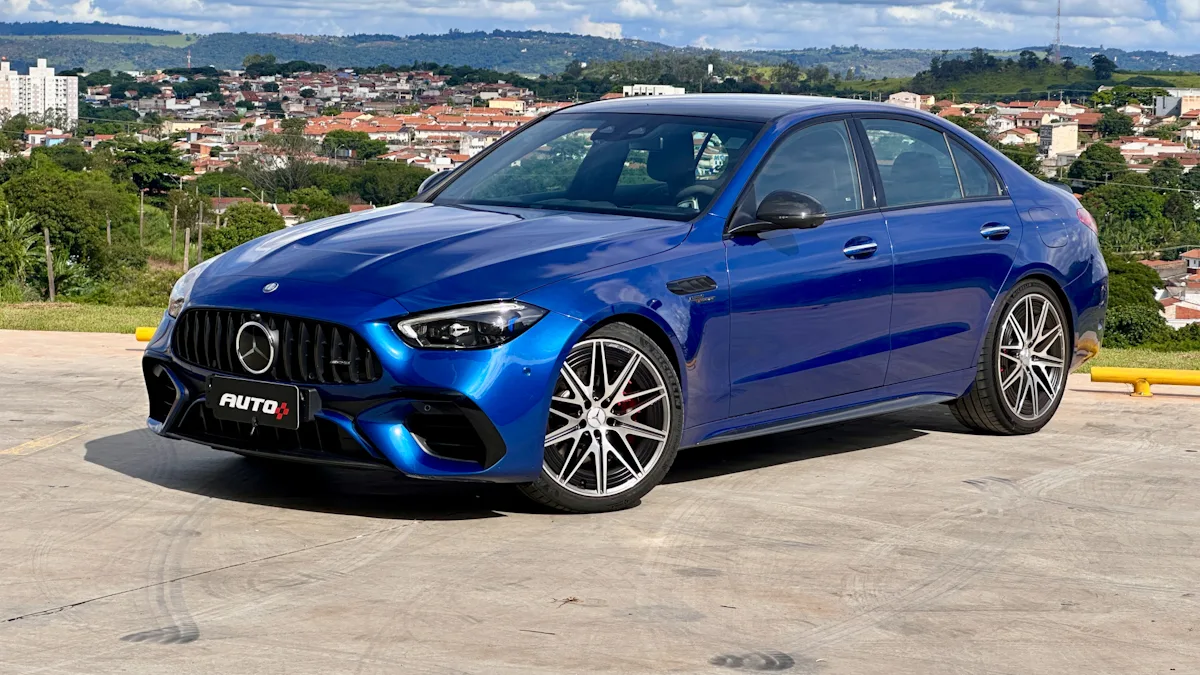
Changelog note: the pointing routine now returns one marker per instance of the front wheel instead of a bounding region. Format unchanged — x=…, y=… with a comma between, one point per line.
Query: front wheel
x=614, y=426
x=1022, y=371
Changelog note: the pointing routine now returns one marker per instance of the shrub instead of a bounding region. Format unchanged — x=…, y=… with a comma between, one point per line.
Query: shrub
x=243, y=222
x=1134, y=326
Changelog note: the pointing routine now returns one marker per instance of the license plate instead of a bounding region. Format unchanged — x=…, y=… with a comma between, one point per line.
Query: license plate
x=263, y=403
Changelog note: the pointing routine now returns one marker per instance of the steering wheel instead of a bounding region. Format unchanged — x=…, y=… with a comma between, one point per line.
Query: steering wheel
x=692, y=192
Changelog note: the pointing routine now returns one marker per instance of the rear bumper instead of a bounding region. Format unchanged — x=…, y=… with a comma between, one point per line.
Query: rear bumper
x=472, y=415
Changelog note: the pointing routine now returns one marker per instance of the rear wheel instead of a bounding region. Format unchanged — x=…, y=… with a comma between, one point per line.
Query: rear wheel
x=614, y=426
x=1022, y=371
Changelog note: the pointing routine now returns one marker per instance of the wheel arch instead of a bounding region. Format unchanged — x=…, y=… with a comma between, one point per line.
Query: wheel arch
x=1059, y=292
x=652, y=329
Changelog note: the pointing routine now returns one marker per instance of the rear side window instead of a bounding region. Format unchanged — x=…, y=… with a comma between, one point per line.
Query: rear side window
x=817, y=161
x=977, y=180
x=914, y=163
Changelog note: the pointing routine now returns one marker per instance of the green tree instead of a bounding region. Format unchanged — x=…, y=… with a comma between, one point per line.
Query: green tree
x=358, y=142
x=1025, y=156
x=971, y=124
x=243, y=222
x=151, y=166
x=314, y=203
x=1125, y=202
x=1167, y=174
x=1103, y=67
x=331, y=111
x=1114, y=124
x=1099, y=163
x=222, y=183
x=1180, y=207
x=19, y=238
x=384, y=183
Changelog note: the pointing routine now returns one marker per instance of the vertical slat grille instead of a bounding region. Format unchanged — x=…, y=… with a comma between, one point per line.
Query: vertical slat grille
x=308, y=351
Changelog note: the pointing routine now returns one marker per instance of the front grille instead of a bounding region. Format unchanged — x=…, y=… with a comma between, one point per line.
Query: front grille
x=315, y=438
x=310, y=352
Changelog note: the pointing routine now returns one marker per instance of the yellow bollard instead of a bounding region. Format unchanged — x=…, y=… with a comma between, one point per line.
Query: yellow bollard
x=144, y=333
x=1142, y=378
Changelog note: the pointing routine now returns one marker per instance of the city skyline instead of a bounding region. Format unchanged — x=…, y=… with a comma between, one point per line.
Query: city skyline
x=1160, y=25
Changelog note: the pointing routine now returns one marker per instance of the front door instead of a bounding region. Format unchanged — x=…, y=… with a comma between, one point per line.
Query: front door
x=810, y=309
x=954, y=235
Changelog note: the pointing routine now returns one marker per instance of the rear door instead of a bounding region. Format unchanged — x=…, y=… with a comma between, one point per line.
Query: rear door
x=954, y=233
x=809, y=308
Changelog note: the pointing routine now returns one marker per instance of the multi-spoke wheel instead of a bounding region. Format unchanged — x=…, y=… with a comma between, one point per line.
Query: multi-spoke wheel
x=1023, y=368
x=614, y=423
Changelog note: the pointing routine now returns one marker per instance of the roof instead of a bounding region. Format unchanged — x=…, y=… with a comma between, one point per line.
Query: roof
x=745, y=107
x=1194, y=253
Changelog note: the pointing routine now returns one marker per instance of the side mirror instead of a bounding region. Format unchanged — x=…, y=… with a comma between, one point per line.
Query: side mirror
x=784, y=210
x=433, y=181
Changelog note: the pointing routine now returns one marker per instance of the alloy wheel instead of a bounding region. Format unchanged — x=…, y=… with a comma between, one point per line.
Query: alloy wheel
x=1031, y=360
x=610, y=418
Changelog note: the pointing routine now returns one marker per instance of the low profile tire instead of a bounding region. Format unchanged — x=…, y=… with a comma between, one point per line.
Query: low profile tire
x=1022, y=371
x=614, y=426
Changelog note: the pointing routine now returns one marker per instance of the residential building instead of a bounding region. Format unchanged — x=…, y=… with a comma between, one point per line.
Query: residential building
x=1192, y=259
x=40, y=94
x=651, y=90
x=1057, y=138
x=906, y=99
x=1177, y=102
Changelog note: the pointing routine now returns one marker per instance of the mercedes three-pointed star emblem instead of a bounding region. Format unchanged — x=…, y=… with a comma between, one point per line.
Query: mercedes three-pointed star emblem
x=255, y=347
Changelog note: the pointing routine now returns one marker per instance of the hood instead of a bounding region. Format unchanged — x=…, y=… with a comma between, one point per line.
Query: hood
x=428, y=256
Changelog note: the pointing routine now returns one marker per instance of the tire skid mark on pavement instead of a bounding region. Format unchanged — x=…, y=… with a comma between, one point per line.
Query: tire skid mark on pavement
x=253, y=561
x=61, y=436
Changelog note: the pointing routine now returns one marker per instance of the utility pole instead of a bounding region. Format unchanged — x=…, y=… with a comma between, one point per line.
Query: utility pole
x=200, y=236
x=142, y=218
x=1058, y=35
x=49, y=263
x=108, y=228
x=187, y=244
x=174, y=228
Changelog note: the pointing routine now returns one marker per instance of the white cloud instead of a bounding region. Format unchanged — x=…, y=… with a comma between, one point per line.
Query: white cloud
x=635, y=9
x=585, y=26
x=1185, y=10
x=725, y=24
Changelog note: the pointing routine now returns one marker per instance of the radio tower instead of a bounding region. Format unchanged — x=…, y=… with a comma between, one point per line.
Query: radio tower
x=1058, y=34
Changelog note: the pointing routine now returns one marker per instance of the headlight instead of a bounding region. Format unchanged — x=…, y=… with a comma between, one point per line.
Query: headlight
x=474, y=327
x=183, y=287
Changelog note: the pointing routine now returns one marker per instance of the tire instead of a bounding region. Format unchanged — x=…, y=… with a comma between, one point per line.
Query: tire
x=607, y=446
x=1023, y=366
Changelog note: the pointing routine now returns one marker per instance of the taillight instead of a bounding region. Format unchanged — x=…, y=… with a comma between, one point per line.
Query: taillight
x=1087, y=219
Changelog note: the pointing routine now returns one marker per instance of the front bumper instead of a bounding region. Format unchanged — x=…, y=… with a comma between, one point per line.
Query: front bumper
x=448, y=415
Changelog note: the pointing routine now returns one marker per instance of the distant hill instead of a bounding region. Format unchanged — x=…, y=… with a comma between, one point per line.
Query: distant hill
x=95, y=46
x=94, y=28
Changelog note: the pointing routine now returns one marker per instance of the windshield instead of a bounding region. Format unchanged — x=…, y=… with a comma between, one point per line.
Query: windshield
x=662, y=166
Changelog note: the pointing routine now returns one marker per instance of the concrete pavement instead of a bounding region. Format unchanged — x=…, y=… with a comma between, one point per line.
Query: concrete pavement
x=895, y=545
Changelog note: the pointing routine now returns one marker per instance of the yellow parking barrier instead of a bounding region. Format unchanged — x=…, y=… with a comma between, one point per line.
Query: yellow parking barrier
x=1142, y=378
x=144, y=333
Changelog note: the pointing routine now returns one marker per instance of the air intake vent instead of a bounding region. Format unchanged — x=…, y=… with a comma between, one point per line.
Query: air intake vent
x=308, y=352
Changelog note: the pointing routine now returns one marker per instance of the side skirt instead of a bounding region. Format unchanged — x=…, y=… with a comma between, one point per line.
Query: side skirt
x=831, y=417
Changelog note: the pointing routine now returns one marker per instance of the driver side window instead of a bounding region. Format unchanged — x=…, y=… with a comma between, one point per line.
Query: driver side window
x=817, y=161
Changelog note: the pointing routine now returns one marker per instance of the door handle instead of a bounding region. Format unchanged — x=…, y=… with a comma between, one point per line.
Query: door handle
x=995, y=231
x=860, y=247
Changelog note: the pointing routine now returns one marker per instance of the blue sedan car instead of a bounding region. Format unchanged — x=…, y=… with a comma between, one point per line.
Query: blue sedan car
x=622, y=279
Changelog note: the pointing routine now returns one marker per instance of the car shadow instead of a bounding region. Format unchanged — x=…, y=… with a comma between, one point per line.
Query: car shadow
x=199, y=470
x=709, y=461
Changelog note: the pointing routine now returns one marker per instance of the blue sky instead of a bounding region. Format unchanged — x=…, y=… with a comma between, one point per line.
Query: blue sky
x=1171, y=25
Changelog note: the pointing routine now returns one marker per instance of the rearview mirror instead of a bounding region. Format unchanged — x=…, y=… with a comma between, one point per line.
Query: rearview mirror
x=433, y=181
x=784, y=210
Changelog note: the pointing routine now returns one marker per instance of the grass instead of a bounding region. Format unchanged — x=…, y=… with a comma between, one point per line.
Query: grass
x=1142, y=358
x=65, y=316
